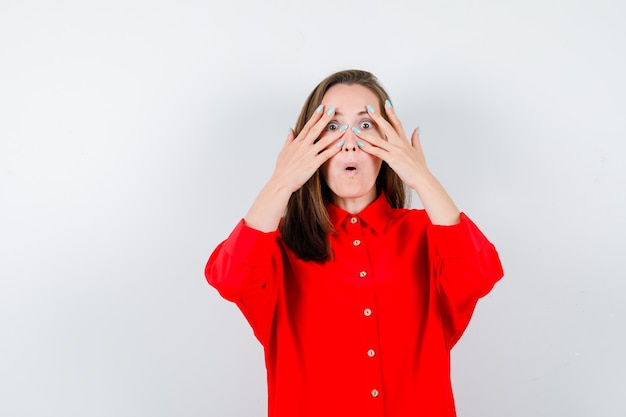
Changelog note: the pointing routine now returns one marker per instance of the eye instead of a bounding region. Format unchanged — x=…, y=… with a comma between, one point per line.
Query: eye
x=366, y=124
x=332, y=126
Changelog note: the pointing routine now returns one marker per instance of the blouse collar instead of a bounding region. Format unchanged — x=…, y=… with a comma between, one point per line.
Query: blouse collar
x=375, y=215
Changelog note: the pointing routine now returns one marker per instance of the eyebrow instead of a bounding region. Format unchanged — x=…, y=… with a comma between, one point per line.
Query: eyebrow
x=338, y=113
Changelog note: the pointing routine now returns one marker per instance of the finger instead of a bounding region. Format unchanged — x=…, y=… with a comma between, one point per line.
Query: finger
x=372, y=144
x=417, y=144
x=328, y=152
x=317, y=114
x=331, y=139
x=318, y=128
x=371, y=138
x=415, y=138
x=326, y=148
x=393, y=118
x=374, y=150
x=384, y=126
x=290, y=136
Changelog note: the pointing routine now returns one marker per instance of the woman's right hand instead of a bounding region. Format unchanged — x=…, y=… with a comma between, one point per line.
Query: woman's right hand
x=301, y=156
x=297, y=161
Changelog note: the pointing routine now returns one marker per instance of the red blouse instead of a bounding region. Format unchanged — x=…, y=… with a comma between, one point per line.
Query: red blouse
x=369, y=332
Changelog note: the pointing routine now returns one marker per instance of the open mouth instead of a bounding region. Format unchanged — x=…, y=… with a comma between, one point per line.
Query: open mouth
x=350, y=166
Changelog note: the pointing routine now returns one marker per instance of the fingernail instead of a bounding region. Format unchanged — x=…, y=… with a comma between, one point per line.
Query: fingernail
x=331, y=111
x=360, y=144
x=319, y=109
x=356, y=130
x=419, y=131
x=370, y=109
x=388, y=103
x=340, y=144
x=343, y=128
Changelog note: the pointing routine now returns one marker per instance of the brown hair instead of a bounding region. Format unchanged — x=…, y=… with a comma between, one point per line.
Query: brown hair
x=306, y=224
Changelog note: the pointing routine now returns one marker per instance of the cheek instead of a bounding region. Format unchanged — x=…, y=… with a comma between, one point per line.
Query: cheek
x=376, y=163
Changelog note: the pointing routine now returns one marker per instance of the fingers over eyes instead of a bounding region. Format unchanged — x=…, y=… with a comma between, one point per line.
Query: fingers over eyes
x=393, y=118
x=316, y=124
x=371, y=138
x=383, y=125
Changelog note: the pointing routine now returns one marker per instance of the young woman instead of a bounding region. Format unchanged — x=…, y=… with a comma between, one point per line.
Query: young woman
x=356, y=299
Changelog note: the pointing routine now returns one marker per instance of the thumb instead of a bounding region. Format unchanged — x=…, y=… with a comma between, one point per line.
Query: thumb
x=415, y=139
x=290, y=136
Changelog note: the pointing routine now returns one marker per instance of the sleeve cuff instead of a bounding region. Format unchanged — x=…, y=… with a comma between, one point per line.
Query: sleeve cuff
x=458, y=240
x=250, y=246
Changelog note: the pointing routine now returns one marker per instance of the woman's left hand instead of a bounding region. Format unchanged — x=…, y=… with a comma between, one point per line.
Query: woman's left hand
x=408, y=161
x=404, y=157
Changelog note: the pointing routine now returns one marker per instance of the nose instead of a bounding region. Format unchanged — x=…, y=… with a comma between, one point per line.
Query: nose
x=350, y=141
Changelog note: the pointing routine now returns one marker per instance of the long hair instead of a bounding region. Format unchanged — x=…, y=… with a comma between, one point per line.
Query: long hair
x=306, y=223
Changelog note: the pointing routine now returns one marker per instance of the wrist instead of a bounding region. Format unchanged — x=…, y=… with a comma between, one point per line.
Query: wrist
x=280, y=187
x=423, y=180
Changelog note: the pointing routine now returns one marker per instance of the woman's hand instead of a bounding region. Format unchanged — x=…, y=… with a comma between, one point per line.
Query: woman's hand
x=297, y=161
x=301, y=156
x=404, y=157
x=408, y=161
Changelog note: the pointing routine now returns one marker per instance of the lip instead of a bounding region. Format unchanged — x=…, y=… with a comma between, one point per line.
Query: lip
x=351, y=172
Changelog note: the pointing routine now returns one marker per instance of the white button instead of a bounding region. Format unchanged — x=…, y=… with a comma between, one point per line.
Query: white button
x=367, y=312
x=371, y=353
x=353, y=220
x=362, y=274
x=375, y=393
x=356, y=242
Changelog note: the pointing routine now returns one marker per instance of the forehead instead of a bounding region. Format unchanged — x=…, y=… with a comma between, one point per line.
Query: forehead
x=350, y=97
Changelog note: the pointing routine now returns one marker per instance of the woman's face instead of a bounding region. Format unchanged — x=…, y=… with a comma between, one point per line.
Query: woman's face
x=351, y=174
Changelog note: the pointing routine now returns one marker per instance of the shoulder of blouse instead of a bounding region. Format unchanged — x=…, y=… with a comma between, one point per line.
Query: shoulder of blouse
x=249, y=245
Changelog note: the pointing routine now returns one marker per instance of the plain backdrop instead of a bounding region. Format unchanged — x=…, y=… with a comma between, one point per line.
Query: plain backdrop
x=135, y=134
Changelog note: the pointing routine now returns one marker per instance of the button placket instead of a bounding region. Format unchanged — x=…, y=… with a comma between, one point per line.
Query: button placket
x=357, y=238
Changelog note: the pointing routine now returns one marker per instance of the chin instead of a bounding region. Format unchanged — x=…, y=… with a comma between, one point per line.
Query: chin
x=354, y=194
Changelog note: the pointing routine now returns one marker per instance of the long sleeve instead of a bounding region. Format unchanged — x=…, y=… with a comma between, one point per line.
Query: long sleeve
x=369, y=331
x=246, y=269
x=466, y=267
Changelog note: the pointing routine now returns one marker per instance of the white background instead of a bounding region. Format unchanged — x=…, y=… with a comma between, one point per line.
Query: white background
x=135, y=134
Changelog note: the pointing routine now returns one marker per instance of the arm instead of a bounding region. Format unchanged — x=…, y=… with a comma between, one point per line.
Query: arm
x=246, y=269
x=465, y=267
x=408, y=161
x=298, y=160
